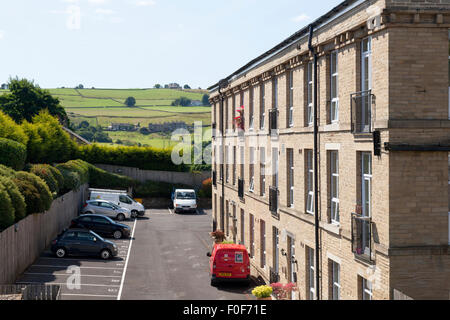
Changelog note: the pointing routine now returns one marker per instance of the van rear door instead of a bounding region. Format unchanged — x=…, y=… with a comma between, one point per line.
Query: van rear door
x=231, y=264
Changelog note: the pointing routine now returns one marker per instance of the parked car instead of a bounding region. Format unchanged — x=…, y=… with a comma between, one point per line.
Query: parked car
x=83, y=242
x=106, y=208
x=184, y=200
x=119, y=198
x=229, y=262
x=102, y=225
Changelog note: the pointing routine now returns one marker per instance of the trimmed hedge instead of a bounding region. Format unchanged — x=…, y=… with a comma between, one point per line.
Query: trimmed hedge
x=157, y=189
x=145, y=158
x=99, y=178
x=6, y=209
x=72, y=180
x=9, y=129
x=6, y=171
x=45, y=173
x=12, y=154
x=37, y=195
x=17, y=199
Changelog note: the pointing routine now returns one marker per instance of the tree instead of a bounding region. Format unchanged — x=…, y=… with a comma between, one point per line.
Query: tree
x=157, y=86
x=130, y=102
x=183, y=101
x=186, y=86
x=80, y=86
x=84, y=124
x=27, y=99
x=205, y=100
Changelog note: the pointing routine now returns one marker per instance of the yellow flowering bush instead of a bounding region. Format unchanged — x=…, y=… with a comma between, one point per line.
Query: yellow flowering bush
x=262, y=291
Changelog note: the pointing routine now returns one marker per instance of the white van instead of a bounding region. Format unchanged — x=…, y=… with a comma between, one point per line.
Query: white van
x=184, y=200
x=119, y=198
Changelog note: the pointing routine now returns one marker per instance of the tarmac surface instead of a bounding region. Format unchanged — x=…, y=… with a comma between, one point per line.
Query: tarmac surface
x=164, y=259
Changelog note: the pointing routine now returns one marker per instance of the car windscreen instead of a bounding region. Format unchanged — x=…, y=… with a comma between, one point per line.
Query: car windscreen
x=97, y=236
x=185, y=195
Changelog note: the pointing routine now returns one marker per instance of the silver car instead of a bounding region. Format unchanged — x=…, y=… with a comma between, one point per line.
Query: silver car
x=106, y=208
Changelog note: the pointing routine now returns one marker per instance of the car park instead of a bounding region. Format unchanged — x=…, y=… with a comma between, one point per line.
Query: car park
x=184, y=200
x=102, y=225
x=82, y=242
x=106, y=208
x=229, y=262
x=120, y=198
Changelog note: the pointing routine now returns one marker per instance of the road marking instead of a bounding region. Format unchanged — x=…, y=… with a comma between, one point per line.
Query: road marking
x=53, y=266
x=67, y=259
x=126, y=263
x=87, y=295
x=68, y=275
x=63, y=284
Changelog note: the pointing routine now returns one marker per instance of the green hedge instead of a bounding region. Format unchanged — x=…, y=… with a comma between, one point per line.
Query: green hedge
x=37, y=195
x=45, y=173
x=99, y=178
x=6, y=209
x=12, y=154
x=156, y=189
x=11, y=130
x=145, y=158
x=17, y=199
x=72, y=180
x=6, y=171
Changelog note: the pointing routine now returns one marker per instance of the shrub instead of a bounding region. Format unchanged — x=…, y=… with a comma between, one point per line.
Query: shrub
x=81, y=168
x=262, y=291
x=207, y=188
x=45, y=173
x=13, y=154
x=72, y=180
x=99, y=178
x=6, y=171
x=6, y=209
x=58, y=177
x=17, y=199
x=36, y=192
x=11, y=130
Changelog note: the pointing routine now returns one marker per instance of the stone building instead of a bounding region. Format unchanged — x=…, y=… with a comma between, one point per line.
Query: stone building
x=380, y=229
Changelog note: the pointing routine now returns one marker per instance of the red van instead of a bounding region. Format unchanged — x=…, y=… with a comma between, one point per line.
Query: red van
x=229, y=262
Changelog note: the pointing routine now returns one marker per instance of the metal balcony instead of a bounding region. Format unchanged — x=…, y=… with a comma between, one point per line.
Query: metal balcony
x=362, y=111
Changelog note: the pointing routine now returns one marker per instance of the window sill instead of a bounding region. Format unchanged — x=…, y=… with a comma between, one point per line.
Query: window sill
x=333, y=228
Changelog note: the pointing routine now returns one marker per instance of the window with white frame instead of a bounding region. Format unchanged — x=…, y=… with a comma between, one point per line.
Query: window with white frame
x=275, y=167
x=290, y=178
x=252, y=170
x=334, y=112
x=226, y=114
x=262, y=110
x=291, y=98
x=309, y=182
x=262, y=171
x=367, y=292
x=309, y=94
x=233, y=112
x=311, y=277
x=334, y=186
x=335, y=280
x=234, y=165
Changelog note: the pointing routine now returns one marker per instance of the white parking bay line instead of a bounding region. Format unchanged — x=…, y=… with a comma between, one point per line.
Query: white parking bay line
x=87, y=295
x=63, y=284
x=55, y=266
x=126, y=262
x=68, y=275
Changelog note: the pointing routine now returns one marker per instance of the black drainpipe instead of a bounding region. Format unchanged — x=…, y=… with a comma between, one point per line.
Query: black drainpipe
x=222, y=84
x=316, y=176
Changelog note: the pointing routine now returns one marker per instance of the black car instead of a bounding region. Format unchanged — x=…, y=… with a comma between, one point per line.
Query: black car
x=102, y=225
x=83, y=242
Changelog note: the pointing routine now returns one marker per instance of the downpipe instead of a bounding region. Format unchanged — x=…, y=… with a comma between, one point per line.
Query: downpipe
x=316, y=174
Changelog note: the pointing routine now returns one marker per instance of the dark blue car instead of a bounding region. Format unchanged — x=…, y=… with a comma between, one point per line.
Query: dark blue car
x=80, y=242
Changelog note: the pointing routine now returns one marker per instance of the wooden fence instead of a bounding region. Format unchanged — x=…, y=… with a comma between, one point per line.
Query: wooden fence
x=22, y=243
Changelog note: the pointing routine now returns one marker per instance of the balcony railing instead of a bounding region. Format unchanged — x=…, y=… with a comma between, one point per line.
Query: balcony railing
x=362, y=236
x=274, y=276
x=273, y=200
x=363, y=111
x=273, y=121
x=241, y=188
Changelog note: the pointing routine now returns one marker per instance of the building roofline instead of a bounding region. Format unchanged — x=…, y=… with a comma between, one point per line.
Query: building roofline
x=323, y=20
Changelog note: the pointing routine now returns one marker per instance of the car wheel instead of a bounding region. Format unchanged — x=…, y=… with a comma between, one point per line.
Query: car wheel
x=213, y=283
x=134, y=214
x=105, y=254
x=117, y=234
x=60, y=252
x=120, y=217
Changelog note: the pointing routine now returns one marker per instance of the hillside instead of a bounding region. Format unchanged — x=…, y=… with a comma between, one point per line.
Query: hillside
x=102, y=107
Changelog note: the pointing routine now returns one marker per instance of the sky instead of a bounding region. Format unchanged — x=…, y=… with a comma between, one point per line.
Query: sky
x=139, y=43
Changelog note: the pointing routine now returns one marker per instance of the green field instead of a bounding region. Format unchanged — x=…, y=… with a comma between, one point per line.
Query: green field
x=105, y=106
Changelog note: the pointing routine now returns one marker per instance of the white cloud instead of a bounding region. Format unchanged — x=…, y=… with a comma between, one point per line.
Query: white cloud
x=2, y=34
x=146, y=3
x=73, y=21
x=300, y=18
x=97, y=2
